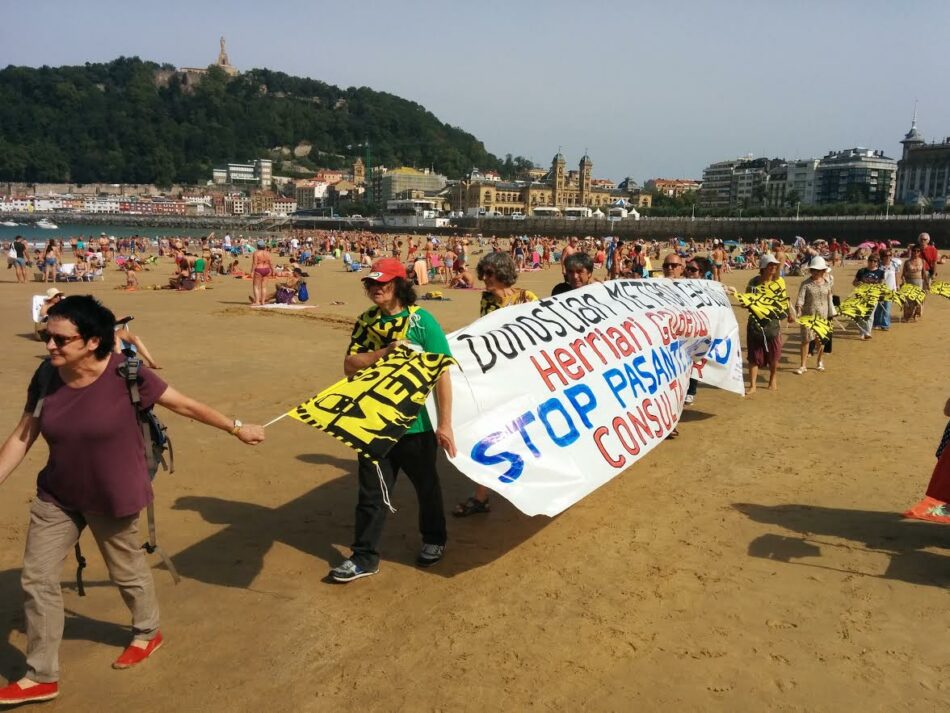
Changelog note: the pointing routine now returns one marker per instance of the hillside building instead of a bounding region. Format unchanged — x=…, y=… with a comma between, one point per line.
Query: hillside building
x=258, y=173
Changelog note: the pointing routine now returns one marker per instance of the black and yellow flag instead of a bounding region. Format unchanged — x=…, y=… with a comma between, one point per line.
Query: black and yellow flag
x=766, y=301
x=372, y=409
x=856, y=308
x=912, y=293
x=940, y=287
x=818, y=324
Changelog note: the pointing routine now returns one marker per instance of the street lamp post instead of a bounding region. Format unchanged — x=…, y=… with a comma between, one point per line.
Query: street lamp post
x=797, y=209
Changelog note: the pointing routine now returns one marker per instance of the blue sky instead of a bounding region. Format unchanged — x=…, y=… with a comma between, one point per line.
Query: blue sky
x=649, y=90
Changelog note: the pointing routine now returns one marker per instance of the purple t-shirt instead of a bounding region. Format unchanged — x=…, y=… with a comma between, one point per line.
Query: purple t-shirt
x=96, y=452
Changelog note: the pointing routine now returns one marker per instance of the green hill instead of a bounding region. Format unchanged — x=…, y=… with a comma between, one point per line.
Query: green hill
x=132, y=121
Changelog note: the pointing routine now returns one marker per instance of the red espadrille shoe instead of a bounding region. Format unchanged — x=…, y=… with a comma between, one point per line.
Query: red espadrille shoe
x=16, y=693
x=134, y=655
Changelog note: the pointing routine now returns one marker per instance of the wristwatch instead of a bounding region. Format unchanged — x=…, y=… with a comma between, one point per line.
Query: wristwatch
x=236, y=427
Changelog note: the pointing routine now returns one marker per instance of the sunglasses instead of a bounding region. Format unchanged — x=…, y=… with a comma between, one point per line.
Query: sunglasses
x=60, y=340
x=692, y=268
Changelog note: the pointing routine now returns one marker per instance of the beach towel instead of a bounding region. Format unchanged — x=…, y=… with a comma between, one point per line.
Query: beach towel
x=283, y=308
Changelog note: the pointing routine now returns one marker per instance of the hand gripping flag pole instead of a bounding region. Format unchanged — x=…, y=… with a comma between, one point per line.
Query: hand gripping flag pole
x=371, y=410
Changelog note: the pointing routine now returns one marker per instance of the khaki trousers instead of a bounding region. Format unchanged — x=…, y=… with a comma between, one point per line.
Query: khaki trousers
x=53, y=533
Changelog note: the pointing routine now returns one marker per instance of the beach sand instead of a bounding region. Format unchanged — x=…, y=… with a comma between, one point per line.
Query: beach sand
x=756, y=563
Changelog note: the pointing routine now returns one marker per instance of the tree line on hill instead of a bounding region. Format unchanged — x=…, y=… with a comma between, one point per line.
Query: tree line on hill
x=115, y=122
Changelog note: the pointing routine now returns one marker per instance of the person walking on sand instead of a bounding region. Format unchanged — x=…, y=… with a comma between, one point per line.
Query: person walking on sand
x=764, y=336
x=96, y=475
x=814, y=298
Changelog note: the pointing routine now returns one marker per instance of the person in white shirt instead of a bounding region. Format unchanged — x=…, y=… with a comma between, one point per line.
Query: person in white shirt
x=891, y=268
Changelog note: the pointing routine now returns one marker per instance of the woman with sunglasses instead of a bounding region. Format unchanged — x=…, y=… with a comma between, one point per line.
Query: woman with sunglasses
x=96, y=476
x=914, y=272
x=395, y=319
x=499, y=273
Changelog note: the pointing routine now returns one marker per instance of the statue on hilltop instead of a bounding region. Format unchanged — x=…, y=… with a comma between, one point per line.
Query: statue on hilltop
x=223, y=55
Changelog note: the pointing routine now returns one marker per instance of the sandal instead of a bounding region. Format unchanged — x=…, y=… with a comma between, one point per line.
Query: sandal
x=472, y=506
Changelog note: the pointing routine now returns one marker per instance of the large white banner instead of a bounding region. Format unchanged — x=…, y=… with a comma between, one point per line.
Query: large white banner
x=556, y=397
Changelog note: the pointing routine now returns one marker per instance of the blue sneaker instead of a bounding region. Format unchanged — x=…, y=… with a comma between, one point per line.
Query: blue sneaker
x=349, y=570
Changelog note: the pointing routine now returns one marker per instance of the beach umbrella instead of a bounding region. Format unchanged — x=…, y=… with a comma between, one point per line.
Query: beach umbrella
x=866, y=244
x=892, y=243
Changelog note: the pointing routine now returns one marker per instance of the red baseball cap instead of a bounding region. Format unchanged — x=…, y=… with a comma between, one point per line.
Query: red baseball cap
x=389, y=268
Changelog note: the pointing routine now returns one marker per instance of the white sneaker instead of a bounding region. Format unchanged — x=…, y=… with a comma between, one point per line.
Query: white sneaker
x=689, y=399
x=801, y=370
x=820, y=367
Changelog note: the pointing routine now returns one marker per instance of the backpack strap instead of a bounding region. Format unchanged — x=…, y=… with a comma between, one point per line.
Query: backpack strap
x=45, y=377
x=129, y=370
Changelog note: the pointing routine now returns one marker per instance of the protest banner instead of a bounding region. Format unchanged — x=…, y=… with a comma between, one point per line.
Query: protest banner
x=557, y=397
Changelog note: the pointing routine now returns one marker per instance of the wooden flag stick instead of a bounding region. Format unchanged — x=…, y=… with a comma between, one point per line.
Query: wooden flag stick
x=275, y=420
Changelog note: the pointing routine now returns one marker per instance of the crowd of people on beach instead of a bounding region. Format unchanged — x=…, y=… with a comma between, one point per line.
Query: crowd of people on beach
x=81, y=397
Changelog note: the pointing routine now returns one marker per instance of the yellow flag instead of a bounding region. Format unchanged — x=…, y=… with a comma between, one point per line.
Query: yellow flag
x=372, y=409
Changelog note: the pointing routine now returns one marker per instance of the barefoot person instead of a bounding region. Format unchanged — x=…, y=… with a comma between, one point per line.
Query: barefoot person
x=261, y=268
x=96, y=475
x=392, y=320
x=764, y=336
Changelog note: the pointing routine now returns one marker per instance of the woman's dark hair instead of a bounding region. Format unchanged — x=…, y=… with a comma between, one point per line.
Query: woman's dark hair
x=703, y=263
x=501, y=265
x=578, y=261
x=404, y=291
x=91, y=319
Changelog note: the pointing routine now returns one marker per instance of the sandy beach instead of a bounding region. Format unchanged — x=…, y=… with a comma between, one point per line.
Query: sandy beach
x=757, y=563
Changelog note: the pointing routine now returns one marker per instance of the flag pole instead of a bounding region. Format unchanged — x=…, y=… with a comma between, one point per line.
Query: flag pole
x=275, y=420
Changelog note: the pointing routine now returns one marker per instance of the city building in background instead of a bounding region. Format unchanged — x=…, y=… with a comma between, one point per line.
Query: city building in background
x=259, y=173
x=672, y=187
x=855, y=175
x=557, y=191
x=923, y=171
x=398, y=182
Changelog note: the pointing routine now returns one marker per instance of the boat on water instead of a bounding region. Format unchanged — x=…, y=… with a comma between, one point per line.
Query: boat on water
x=46, y=224
x=8, y=224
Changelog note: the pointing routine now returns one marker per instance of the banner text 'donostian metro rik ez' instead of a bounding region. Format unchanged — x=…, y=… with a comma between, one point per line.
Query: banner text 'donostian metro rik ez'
x=556, y=397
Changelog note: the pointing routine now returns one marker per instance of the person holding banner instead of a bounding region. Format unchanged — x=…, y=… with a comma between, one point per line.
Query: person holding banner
x=814, y=298
x=764, y=336
x=393, y=320
x=578, y=271
x=499, y=273
x=96, y=476
x=870, y=275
